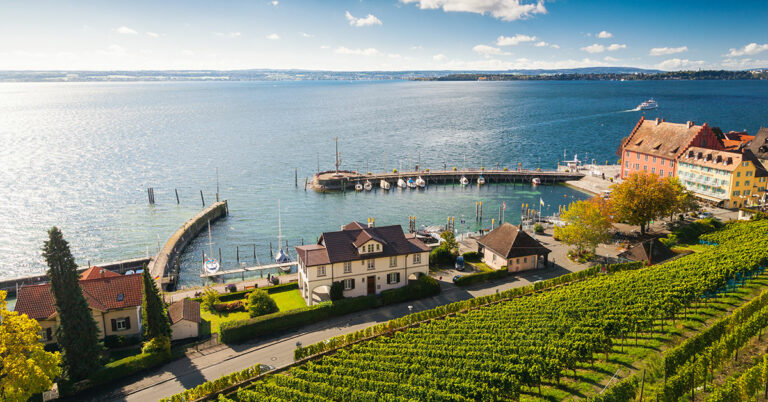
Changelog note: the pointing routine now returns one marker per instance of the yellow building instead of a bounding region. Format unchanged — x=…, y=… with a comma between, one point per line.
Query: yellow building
x=723, y=178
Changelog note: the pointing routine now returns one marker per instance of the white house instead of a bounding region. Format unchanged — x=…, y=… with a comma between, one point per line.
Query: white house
x=185, y=319
x=365, y=259
x=509, y=247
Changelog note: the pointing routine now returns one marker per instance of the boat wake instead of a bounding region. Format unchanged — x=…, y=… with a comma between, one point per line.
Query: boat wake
x=569, y=119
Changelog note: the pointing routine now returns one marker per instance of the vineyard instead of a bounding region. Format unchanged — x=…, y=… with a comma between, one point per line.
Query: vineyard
x=557, y=344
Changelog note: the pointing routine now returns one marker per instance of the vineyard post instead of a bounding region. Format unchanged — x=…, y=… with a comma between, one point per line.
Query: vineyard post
x=642, y=386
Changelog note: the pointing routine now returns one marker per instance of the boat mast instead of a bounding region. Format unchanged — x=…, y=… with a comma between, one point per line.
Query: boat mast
x=210, y=240
x=338, y=156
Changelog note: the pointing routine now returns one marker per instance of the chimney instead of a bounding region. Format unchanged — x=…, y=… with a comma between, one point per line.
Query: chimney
x=689, y=123
x=101, y=271
x=730, y=161
x=370, y=222
x=658, y=121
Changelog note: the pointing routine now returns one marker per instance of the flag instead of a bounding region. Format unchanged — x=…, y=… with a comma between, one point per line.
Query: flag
x=541, y=201
x=504, y=205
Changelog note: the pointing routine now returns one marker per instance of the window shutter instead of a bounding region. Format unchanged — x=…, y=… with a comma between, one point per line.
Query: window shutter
x=114, y=324
x=353, y=283
x=398, y=278
x=48, y=334
x=127, y=322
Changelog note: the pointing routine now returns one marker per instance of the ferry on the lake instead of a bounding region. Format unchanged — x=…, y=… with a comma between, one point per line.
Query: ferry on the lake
x=648, y=105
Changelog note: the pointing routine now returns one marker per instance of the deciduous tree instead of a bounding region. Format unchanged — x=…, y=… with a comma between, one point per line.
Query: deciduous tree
x=153, y=312
x=26, y=368
x=259, y=303
x=77, y=333
x=641, y=198
x=586, y=226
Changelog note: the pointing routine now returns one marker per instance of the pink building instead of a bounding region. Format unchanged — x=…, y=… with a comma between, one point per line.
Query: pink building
x=654, y=146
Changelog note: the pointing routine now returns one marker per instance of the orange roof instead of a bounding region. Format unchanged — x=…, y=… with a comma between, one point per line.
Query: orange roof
x=96, y=272
x=662, y=139
x=103, y=294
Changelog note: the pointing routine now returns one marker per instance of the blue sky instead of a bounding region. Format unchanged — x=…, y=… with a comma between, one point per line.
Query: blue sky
x=381, y=34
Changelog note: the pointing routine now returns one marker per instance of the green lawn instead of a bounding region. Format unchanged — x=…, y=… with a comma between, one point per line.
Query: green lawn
x=288, y=300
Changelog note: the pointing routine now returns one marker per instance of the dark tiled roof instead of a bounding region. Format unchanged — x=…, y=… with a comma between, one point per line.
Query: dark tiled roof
x=341, y=246
x=101, y=294
x=354, y=225
x=662, y=139
x=509, y=242
x=640, y=252
x=184, y=309
x=709, y=158
x=759, y=145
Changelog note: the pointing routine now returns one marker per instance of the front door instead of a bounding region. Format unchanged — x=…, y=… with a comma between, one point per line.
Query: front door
x=371, y=285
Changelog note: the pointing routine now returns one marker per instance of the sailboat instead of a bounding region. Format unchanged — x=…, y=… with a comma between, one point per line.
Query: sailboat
x=281, y=257
x=384, y=184
x=411, y=183
x=367, y=185
x=480, y=180
x=358, y=187
x=420, y=182
x=464, y=181
x=210, y=265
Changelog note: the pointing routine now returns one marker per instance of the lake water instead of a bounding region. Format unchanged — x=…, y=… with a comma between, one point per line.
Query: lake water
x=81, y=155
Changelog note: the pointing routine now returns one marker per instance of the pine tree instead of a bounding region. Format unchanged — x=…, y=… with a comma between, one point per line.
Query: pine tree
x=77, y=332
x=153, y=312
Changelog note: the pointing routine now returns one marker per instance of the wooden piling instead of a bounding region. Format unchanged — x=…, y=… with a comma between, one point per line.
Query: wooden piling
x=202, y=198
x=254, y=252
x=219, y=256
x=296, y=177
x=177, y=195
x=238, y=254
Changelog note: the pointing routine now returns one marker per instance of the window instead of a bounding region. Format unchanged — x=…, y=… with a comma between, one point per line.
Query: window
x=738, y=174
x=653, y=170
x=645, y=167
x=525, y=259
x=638, y=156
x=321, y=270
x=393, y=261
x=745, y=164
x=669, y=173
x=749, y=174
x=628, y=153
x=646, y=158
x=121, y=324
x=654, y=159
x=736, y=184
x=393, y=278
x=120, y=296
x=371, y=264
x=347, y=267
x=349, y=284
x=417, y=258
x=746, y=182
x=662, y=162
x=661, y=172
x=746, y=192
x=737, y=192
x=627, y=164
x=370, y=248
x=378, y=246
x=494, y=258
x=45, y=335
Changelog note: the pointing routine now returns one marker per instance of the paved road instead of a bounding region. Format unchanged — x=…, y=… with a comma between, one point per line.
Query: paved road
x=216, y=362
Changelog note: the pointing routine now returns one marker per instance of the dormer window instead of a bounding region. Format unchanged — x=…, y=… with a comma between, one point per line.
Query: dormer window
x=120, y=296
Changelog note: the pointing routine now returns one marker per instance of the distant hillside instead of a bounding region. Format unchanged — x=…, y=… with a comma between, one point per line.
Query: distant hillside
x=588, y=73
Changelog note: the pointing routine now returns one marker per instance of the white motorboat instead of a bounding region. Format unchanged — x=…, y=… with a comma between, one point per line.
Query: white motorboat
x=358, y=186
x=367, y=185
x=420, y=182
x=411, y=183
x=648, y=105
x=480, y=180
x=384, y=184
x=401, y=183
x=536, y=180
x=464, y=181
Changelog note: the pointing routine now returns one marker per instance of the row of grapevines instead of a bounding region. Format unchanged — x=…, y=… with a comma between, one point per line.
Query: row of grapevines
x=497, y=351
x=744, y=385
x=211, y=387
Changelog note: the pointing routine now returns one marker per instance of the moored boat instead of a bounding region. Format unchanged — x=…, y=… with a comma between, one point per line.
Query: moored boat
x=401, y=183
x=411, y=183
x=536, y=180
x=464, y=181
x=367, y=185
x=358, y=187
x=480, y=180
x=384, y=184
x=420, y=182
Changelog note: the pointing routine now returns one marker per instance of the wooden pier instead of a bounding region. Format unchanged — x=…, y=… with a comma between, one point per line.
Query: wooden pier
x=249, y=269
x=344, y=179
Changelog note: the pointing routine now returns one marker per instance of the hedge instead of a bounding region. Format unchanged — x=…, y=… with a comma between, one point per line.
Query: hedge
x=115, y=370
x=481, y=276
x=242, y=294
x=471, y=256
x=217, y=385
x=239, y=331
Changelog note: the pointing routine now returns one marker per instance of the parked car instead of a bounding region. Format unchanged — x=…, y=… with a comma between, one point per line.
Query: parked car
x=705, y=214
x=460, y=263
x=456, y=278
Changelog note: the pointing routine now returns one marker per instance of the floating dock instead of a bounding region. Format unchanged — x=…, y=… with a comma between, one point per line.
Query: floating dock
x=343, y=180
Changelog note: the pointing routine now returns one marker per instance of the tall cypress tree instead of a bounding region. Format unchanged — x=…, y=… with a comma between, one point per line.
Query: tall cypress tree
x=77, y=332
x=153, y=312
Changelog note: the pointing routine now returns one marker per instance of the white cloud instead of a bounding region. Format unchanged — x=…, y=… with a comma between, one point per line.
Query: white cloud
x=368, y=20
x=358, y=52
x=751, y=49
x=153, y=34
x=306, y=35
x=439, y=57
x=231, y=35
x=514, y=40
x=394, y=56
x=743, y=63
x=487, y=51
x=521, y=63
x=274, y=3
x=273, y=36
x=325, y=47
x=597, y=48
x=505, y=10
x=604, y=35
x=546, y=44
x=610, y=59
x=662, y=51
x=678, y=64
x=416, y=47
x=126, y=31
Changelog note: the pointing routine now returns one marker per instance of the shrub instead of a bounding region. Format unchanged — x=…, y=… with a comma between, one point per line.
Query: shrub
x=275, y=280
x=441, y=256
x=125, y=367
x=242, y=294
x=425, y=286
x=337, y=291
x=538, y=229
x=259, y=303
x=119, y=341
x=471, y=256
x=690, y=233
x=238, y=305
x=159, y=344
x=670, y=240
x=210, y=298
x=481, y=276
x=231, y=288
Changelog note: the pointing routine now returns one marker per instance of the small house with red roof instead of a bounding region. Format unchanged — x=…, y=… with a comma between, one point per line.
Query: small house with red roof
x=185, y=319
x=115, y=301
